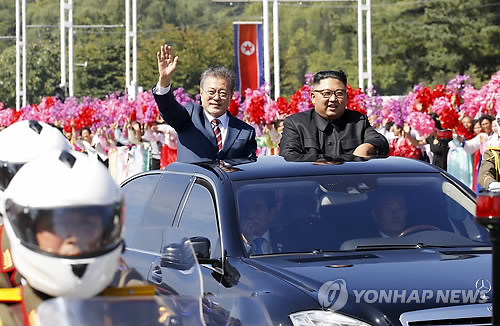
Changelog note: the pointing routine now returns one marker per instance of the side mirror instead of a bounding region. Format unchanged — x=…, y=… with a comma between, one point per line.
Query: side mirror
x=201, y=247
x=178, y=256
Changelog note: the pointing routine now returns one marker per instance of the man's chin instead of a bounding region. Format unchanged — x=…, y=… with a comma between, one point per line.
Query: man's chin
x=216, y=111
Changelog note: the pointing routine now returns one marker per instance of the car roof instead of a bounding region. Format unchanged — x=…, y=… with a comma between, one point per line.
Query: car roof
x=278, y=167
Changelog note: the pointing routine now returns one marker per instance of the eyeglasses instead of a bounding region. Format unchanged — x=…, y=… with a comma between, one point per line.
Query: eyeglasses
x=327, y=93
x=222, y=93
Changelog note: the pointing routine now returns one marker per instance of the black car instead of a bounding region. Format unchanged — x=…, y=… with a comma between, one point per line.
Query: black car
x=382, y=241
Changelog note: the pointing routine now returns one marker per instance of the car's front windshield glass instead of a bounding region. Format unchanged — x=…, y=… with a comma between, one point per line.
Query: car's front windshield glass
x=355, y=212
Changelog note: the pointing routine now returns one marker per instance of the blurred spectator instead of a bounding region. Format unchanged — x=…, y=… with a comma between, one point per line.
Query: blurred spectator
x=459, y=161
x=438, y=147
x=401, y=145
x=156, y=139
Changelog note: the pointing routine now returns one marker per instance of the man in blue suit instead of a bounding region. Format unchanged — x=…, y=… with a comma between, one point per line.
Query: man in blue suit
x=207, y=132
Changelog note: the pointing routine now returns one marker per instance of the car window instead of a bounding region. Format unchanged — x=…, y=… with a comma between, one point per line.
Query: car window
x=166, y=200
x=199, y=217
x=349, y=212
x=137, y=193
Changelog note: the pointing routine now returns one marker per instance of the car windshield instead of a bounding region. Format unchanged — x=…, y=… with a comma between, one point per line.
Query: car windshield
x=355, y=212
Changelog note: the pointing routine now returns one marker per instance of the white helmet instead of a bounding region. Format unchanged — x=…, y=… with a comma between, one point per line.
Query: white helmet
x=23, y=141
x=64, y=220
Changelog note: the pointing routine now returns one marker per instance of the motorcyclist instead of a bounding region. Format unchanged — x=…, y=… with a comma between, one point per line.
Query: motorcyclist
x=64, y=219
x=20, y=143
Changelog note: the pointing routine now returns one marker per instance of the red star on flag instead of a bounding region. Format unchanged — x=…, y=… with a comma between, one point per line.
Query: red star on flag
x=248, y=48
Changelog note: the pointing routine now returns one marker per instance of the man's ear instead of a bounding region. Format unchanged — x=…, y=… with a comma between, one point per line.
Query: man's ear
x=313, y=97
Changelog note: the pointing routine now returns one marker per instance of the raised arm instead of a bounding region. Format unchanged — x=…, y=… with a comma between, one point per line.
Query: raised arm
x=413, y=140
x=171, y=111
x=166, y=65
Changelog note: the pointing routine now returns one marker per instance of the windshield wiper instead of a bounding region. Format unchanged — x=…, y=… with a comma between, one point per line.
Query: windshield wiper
x=419, y=245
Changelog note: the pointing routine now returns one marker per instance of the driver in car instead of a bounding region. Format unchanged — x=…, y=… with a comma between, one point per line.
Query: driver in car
x=256, y=212
x=390, y=214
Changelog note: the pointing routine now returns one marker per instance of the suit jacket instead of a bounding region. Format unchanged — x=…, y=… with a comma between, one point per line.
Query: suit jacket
x=277, y=243
x=196, y=139
x=301, y=139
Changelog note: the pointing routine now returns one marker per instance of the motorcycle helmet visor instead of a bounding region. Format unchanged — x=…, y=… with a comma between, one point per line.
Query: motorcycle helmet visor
x=7, y=172
x=69, y=232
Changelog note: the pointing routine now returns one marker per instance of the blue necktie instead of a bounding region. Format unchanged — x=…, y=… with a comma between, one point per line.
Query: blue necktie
x=257, y=242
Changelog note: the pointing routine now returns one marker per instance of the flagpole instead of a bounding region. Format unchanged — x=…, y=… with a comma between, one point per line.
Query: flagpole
x=276, y=46
x=265, y=27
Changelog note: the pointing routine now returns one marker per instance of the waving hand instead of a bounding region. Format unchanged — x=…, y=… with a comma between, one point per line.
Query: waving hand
x=166, y=65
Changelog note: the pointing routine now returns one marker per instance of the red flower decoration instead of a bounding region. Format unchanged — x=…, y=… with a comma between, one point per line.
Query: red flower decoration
x=234, y=106
x=85, y=118
x=462, y=131
x=283, y=107
x=298, y=103
x=15, y=115
x=424, y=97
x=449, y=118
x=404, y=148
x=438, y=91
x=49, y=102
x=354, y=102
x=133, y=116
x=256, y=110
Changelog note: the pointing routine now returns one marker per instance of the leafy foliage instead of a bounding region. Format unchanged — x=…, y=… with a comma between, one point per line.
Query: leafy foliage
x=412, y=42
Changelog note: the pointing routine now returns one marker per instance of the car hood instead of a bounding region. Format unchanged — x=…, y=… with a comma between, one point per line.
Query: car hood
x=409, y=272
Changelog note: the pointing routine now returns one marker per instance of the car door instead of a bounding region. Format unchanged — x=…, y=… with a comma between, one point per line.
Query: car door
x=158, y=218
x=137, y=194
x=198, y=218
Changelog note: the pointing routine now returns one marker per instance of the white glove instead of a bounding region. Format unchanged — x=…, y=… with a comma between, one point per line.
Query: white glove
x=494, y=187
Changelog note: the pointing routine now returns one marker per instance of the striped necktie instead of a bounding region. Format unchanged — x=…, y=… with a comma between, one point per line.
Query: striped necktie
x=218, y=134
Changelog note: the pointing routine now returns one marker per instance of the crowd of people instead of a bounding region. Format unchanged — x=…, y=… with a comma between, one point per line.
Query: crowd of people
x=458, y=155
x=130, y=149
x=57, y=203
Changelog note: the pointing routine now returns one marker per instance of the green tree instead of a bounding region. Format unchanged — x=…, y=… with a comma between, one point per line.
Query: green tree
x=434, y=41
x=195, y=54
x=41, y=76
x=103, y=70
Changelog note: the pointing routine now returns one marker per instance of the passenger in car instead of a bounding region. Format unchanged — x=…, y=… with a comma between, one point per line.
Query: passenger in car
x=256, y=215
x=208, y=131
x=390, y=214
x=330, y=129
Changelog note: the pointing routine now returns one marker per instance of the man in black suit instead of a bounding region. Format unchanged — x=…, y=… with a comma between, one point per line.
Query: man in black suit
x=207, y=132
x=257, y=210
x=330, y=130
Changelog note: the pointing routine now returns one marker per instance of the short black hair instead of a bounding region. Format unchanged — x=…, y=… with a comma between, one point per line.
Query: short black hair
x=435, y=118
x=85, y=128
x=486, y=117
x=219, y=72
x=340, y=75
x=388, y=125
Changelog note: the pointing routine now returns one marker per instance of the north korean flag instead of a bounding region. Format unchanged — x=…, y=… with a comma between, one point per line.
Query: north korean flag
x=248, y=54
